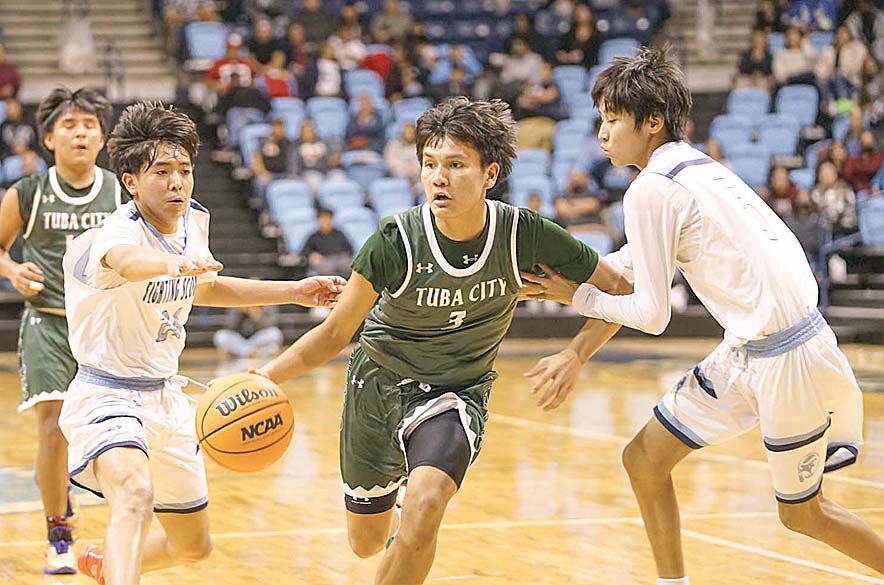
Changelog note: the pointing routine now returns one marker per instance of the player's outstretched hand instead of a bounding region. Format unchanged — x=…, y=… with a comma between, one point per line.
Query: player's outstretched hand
x=550, y=287
x=193, y=266
x=318, y=291
x=554, y=377
x=28, y=279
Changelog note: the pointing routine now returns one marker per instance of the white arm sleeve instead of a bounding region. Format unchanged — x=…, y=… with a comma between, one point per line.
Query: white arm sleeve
x=621, y=260
x=654, y=208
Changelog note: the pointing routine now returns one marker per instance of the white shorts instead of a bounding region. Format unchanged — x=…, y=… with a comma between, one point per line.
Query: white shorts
x=806, y=399
x=95, y=418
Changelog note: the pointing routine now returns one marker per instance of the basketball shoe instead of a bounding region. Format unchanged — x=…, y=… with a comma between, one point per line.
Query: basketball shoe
x=59, y=556
x=90, y=562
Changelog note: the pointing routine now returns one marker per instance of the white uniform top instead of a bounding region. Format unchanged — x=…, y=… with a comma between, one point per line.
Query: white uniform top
x=685, y=210
x=131, y=329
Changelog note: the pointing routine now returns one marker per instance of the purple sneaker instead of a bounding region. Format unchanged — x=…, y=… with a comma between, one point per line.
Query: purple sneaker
x=60, y=558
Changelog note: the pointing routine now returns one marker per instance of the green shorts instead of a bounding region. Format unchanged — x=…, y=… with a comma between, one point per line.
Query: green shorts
x=381, y=410
x=45, y=361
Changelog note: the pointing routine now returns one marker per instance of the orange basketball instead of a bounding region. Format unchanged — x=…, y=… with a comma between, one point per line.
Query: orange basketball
x=244, y=422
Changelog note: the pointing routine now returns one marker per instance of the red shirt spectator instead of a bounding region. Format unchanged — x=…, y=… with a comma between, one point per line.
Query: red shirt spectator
x=231, y=64
x=10, y=80
x=859, y=170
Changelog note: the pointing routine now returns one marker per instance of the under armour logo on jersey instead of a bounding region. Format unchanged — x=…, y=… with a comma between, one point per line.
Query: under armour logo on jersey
x=171, y=324
x=467, y=259
x=48, y=197
x=428, y=267
x=358, y=383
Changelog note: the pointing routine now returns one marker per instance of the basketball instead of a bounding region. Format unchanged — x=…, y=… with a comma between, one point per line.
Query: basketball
x=244, y=422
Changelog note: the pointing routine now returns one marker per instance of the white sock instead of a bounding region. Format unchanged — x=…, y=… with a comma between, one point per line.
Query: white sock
x=681, y=581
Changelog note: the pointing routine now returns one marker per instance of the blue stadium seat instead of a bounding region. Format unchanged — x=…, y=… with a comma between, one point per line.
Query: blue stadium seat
x=287, y=194
x=13, y=168
x=582, y=108
x=287, y=104
x=529, y=168
x=599, y=241
x=840, y=126
x=316, y=105
x=776, y=42
x=810, y=153
x=360, y=170
x=358, y=231
x=803, y=178
x=570, y=79
x=354, y=214
x=295, y=215
x=582, y=125
x=2, y=112
x=613, y=48
x=330, y=125
x=748, y=101
x=820, y=39
x=337, y=194
x=731, y=130
x=870, y=215
x=616, y=217
x=522, y=187
x=381, y=106
x=592, y=75
x=779, y=139
x=410, y=109
x=363, y=81
x=249, y=140
x=387, y=186
x=206, y=42
x=801, y=101
x=752, y=164
x=296, y=233
x=537, y=155
x=619, y=177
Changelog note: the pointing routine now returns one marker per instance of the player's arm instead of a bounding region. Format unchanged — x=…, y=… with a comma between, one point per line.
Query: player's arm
x=227, y=291
x=326, y=340
x=26, y=277
x=136, y=263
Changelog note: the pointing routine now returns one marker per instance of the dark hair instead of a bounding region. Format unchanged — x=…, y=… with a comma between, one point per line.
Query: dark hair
x=61, y=99
x=649, y=84
x=325, y=211
x=486, y=126
x=141, y=129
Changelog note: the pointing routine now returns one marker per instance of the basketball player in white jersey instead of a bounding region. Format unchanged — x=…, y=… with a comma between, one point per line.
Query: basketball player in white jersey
x=779, y=365
x=130, y=286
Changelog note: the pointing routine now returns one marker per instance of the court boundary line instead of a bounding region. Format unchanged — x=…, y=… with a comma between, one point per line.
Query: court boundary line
x=700, y=454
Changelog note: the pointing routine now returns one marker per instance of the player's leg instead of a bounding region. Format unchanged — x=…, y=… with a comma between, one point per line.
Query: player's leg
x=701, y=409
x=811, y=418
x=438, y=453
x=368, y=533
x=184, y=539
x=52, y=472
x=123, y=475
x=649, y=459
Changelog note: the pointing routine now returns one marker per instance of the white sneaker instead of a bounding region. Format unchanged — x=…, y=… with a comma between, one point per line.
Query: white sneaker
x=60, y=558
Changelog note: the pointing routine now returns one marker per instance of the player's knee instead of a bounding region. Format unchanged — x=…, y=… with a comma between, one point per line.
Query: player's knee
x=366, y=545
x=636, y=461
x=424, y=514
x=806, y=518
x=134, y=498
x=196, y=550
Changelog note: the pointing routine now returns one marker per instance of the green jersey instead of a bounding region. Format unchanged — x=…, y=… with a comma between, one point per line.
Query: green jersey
x=445, y=306
x=54, y=213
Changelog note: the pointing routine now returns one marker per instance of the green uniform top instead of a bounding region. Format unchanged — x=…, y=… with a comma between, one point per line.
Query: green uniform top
x=54, y=213
x=444, y=305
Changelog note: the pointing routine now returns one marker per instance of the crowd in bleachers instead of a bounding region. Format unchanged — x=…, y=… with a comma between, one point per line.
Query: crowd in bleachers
x=316, y=102
x=18, y=136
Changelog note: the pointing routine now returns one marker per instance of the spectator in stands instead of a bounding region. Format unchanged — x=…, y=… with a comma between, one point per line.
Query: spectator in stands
x=804, y=221
x=860, y=169
x=249, y=332
x=177, y=13
x=273, y=160
x=872, y=84
x=517, y=68
x=795, y=63
x=350, y=20
x=391, y=25
x=403, y=82
x=578, y=208
x=365, y=130
x=854, y=131
x=299, y=60
x=328, y=73
x=772, y=15
x=813, y=14
x=534, y=203
x=400, y=157
x=30, y=167
x=835, y=200
x=541, y=98
x=838, y=154
x=10, y=80
x=523, y=28
x=457, y=57
x=262, y=45
x=580, y=45
x=455, y=85
x=327, y=250
x=273, y=10
x=877, y=184
x=349, y=49
x=781, y=191
x=755, y=66
x=277, y=80
x=231, y=68
x=839, y=72
x=315, y=159
x=17, y=136
x=866, y=24
x=318, y=24
x=242, y=96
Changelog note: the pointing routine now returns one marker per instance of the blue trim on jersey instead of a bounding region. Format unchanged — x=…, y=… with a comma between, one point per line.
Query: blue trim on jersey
x=797, y=441
x=198, y=206
x=833, y=448
x=788, y=339
x=681, y=432
x=688, y=163
x=80, y=266
x=85, y=461
x=134, y=214
x=101, y=419
x=85, y=487
x=704, y=382
x=185, y=508
x=102, y=378
x=800, y=497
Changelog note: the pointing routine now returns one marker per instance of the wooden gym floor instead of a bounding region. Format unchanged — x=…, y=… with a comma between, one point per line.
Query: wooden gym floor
x=547, y=502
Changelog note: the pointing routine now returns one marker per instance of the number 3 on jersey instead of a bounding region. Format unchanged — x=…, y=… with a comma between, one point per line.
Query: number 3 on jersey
x=456, y=319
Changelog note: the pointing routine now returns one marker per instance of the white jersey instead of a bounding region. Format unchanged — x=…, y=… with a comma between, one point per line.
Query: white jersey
x=688, y=211
x=131, y=329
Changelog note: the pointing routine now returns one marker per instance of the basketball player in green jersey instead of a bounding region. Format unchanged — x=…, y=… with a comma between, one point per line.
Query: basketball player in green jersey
x=49, y=210
x=436, y=286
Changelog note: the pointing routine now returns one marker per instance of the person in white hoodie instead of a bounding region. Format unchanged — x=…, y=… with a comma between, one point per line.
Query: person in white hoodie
x=779, y=365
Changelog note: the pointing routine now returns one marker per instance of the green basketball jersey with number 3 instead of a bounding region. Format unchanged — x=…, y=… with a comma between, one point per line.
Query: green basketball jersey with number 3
x=53, y=213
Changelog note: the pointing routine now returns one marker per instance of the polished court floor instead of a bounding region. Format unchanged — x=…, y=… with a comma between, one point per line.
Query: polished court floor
x=547, y=502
